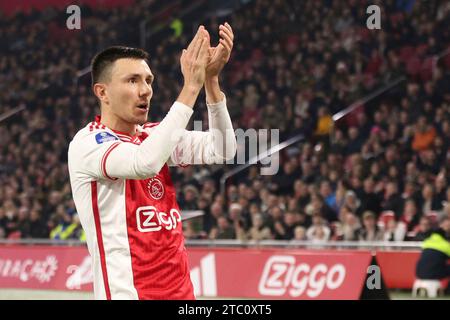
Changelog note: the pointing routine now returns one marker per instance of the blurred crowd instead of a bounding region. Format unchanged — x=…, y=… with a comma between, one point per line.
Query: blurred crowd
x=379, y=173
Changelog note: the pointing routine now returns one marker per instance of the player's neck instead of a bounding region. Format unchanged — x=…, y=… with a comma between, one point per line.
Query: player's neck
x=117, y=124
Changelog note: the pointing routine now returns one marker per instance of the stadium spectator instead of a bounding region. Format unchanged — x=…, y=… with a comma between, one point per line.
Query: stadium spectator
x=394, y=231
x=370, y=230
x=424, y=135
x=370, y=199
x=440, y=186
x=223, y=230
x=66, y=228
x=284, y=230
x=432, y=263
x=429, y=201
x=23, y=222
x=258, y=231
x=3, y=222
x=350, y=226
x=328, y=194
x=274, y=221
x=423, y=229
x=410, y=215
x=190, y=194
x=318, y=232
x=324, y=123
x=300, y=233
x=38, y=228
x=351, y=201
x=317, y=205
x=239, y=220
x=391, y=198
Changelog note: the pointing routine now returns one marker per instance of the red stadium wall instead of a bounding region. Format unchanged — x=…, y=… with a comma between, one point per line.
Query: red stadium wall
x=9, y=7
x=224, y=272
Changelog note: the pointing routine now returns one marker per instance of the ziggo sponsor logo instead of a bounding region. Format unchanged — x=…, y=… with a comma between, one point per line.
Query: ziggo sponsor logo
x=281, y=275
x=149, y=219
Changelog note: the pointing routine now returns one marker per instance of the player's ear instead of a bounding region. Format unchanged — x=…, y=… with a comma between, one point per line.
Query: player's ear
x=100, y=92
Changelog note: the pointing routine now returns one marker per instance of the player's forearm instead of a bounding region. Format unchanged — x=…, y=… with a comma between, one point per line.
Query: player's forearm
x=212, y=89
x=210, y=147
x=221, y=127
x=147, y=159
x=188, y=95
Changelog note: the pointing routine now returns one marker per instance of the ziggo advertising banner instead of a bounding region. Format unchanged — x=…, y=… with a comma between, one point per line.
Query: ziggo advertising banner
x=223, y=272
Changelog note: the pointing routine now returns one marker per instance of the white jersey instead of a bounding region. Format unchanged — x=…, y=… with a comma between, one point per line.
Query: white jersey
x=127, y=204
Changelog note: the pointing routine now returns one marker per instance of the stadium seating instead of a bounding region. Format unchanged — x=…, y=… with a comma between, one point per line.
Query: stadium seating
x=277, y=63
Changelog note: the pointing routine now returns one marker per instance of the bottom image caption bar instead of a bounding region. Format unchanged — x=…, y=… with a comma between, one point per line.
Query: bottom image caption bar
x=224, y=309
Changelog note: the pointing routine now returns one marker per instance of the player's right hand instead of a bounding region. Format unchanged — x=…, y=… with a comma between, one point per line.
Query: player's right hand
x=194, y=60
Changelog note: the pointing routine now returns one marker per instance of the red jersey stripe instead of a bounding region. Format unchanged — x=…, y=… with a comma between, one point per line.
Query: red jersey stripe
x=105, y=156
x=150, y=125
x=98, y=229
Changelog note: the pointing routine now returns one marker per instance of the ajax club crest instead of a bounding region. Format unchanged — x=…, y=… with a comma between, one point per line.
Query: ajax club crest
x=155, y=188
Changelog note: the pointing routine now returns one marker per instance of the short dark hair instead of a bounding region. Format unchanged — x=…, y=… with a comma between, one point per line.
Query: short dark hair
x=103, y=60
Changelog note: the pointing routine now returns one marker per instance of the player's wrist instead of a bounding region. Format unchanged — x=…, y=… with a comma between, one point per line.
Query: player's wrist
x=212, y=80
x=213, y=92
x=188, y=95
x=193, y=89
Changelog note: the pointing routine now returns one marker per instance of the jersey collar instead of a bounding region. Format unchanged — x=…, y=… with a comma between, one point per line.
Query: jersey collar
x=123, y=135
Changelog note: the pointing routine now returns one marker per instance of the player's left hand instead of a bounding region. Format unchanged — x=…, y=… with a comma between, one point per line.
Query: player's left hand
x=220, y=54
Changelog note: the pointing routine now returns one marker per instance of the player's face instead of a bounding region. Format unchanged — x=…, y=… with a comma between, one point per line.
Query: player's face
x=130, y=90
